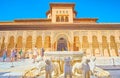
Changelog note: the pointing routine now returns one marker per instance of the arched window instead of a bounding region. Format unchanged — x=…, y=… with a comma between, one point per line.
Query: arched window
x=60, y=12
x=47, y=43
x=76, y=45
x=56, y=11
x=112, y=38
x=85, y=43
x=29, y=43
x=66, y=11
x=66, y=18
x=104, y=42
x=39, y=42
x=19, y=43
x=95, y=43
x=62, y=18
x=57, y=19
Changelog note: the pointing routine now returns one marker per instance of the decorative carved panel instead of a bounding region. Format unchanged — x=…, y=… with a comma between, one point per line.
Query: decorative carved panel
x=39, y=42
x=19, y=43
x=29, y=43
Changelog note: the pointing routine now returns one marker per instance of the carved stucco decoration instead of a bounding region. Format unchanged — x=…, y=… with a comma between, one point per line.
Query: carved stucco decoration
x=67, y=35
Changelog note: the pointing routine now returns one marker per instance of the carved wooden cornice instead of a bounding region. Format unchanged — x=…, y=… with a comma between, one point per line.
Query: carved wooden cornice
x=51, y=26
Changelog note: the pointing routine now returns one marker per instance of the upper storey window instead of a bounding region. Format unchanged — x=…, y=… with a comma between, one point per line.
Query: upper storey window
x=66, y=11
x=66, y=18
x=57, y=19
x=62, y=18
x=57, y=12
x=61, y=12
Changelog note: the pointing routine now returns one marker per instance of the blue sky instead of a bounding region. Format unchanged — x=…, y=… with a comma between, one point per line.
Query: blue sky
x=105, y=10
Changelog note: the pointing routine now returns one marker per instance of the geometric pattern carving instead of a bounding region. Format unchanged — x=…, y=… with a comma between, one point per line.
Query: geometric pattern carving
x=19, y=43
x=85, y=43
x=11, y=44
x=76, y=44
x=47, y=43
x=39, y=42
x=87, y=40
x=29, y=43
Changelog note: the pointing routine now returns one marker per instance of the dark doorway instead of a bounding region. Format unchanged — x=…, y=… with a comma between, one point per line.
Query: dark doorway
x=62, y=44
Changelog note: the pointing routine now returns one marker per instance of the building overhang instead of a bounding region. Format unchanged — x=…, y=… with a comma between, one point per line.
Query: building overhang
x=48, y=12
x=32, y=20
x=86, y=20
x=50, y=26
x=75, y=12
x=62, y=5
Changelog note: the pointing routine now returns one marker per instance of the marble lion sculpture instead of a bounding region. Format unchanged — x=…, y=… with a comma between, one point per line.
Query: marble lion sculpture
x=100, y=73
x=52, y=69
x=35, y=71
x=56, y=69
x=77, y=67
x=41, y=66
x=81, y=69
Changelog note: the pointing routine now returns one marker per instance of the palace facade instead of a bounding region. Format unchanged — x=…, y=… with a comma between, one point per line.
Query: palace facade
x=61, y=31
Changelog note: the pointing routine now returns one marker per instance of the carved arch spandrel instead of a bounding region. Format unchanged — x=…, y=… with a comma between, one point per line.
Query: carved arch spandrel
x=65, y=36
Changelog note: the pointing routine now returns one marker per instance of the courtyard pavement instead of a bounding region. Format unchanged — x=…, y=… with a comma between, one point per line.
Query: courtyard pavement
x=15, y=69
x=19, y=67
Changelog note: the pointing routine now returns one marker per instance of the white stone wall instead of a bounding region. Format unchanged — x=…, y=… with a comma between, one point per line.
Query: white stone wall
x=59, y=11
